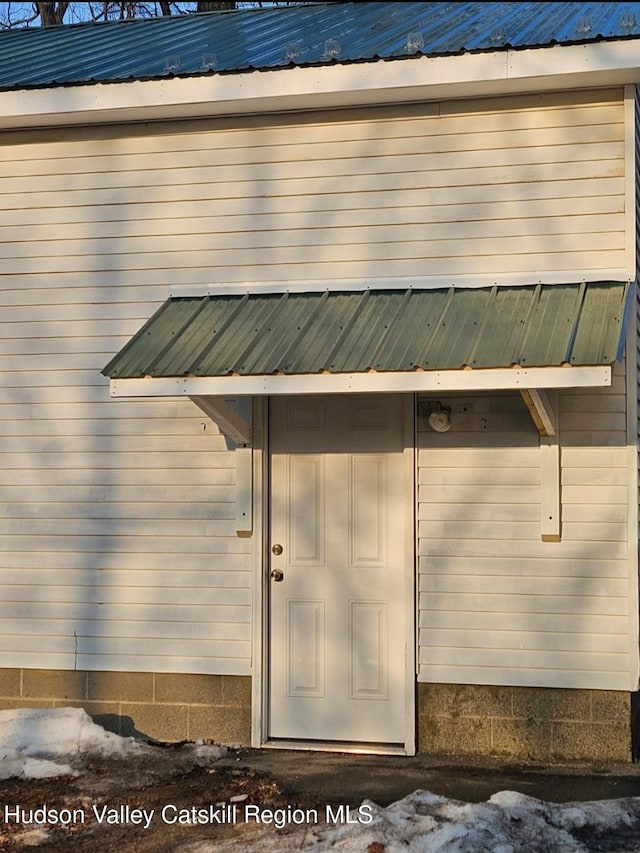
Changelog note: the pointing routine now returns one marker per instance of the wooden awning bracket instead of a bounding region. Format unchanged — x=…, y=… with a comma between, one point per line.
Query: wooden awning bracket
x=543, y=408
x=233, y=417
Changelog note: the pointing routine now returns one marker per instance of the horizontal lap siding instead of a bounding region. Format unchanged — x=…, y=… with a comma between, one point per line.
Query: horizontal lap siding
x=117, y=518
x=496, y=604
x=117, y=545
x=505, y=186
x=117, y=541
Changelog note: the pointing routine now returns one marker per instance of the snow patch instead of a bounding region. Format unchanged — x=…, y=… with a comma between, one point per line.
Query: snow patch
x=32, y=837
x=508, y=822
x=30, y=737
x=15, y=765
x=207, y=753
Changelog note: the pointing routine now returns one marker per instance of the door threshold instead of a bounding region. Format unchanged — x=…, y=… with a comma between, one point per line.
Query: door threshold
x=337, y=746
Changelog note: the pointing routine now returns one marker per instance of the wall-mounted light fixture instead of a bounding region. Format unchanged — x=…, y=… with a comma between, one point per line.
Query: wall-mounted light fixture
x=437, y=416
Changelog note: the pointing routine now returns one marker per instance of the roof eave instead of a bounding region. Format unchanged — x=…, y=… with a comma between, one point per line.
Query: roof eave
x=510, y=71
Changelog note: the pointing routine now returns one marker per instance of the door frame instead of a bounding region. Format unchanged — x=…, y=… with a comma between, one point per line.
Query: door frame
x=261, y=589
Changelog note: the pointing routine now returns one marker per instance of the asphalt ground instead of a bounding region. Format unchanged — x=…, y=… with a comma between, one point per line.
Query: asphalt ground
x=352, y=778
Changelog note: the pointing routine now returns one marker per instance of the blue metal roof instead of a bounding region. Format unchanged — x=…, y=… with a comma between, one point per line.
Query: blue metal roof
x=310, y=34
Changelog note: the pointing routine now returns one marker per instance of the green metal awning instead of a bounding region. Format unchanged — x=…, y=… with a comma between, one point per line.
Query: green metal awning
x=374, y=331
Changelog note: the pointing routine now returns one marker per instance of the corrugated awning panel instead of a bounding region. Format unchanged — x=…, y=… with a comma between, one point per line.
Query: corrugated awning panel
x=256, y=334
x=598, y=330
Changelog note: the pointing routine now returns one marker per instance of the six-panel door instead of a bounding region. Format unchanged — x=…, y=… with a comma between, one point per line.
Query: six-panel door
x=337, y=550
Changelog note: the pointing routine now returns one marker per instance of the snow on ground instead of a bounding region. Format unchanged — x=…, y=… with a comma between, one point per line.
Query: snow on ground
x=509, y=822
x=426, y=823
x=30, y=738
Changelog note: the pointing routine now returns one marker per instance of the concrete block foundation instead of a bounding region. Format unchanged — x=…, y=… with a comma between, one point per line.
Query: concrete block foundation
x=525, y=723
x=515, y=723
x=161, y=706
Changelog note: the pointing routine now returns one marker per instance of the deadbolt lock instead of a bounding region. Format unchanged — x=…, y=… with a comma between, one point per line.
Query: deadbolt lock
x=277, y=550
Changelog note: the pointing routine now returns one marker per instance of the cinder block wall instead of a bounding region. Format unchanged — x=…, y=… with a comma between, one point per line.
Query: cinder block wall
x=162, y=706
x=522, y=723
x=517, y=723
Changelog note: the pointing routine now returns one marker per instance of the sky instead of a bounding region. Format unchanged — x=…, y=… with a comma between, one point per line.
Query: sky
x=13, y=11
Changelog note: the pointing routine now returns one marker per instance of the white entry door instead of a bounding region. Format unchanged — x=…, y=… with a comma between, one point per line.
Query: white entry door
x=337, y=634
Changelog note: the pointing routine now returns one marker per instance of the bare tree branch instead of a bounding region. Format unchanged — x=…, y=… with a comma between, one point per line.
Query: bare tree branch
x=205, y=6
x=48, y=13
x=8, y=22
x=52, y=14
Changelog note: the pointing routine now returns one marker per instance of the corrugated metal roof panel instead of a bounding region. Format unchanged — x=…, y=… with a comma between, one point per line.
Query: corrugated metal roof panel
x=596, y=335
x=277, y=37
x=382, y=330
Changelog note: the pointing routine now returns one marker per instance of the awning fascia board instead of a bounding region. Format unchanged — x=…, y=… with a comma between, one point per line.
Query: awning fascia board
x=494, y=379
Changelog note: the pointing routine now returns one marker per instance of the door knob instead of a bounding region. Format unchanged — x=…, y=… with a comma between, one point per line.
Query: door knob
x=277, y=575
x=277, y=550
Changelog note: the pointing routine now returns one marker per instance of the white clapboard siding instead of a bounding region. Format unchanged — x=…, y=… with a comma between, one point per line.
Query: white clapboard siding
x=117, y=596
x=131, y=544
x=126, y=611
x=181, y=528
x=69, y=461
x=149, y=561
x=117, y=540
x=64, y=430
x=103, y=410
x=56, y=297
x=493, y=187
x=194, y=218
x=168, y=138
x=481, y=162
x=230, y=578
x=117, y=518
x=50, y=311
x=129, y=629
x=603, y=194
x=496, y=604
x=117, y=527
x=319, y=237
x=401, y=256
x=378, y=175
x=80, y=444
x=25, y=506
x=223, y=228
